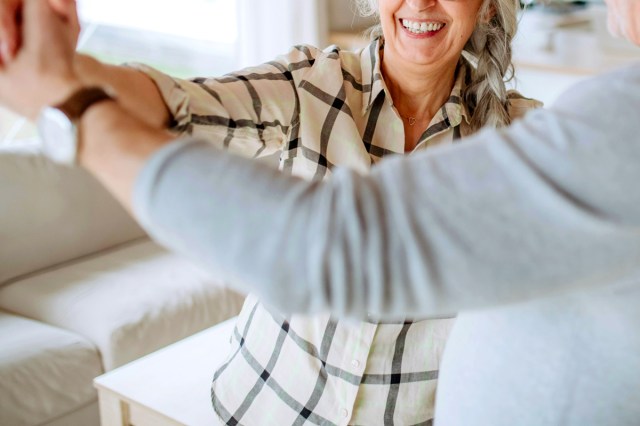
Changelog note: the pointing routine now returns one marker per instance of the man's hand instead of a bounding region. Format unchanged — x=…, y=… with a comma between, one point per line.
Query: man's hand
x=11, y=25
x=10, y=19
x=42, y=71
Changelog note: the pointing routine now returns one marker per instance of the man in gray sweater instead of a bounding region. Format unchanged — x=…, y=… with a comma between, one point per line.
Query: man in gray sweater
x=531, y=234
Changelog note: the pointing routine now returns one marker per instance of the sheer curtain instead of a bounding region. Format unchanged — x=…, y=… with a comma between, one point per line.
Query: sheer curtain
x=267, y=28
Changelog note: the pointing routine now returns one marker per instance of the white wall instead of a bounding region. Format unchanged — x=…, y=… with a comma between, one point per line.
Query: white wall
x=343, y=16
x=269, y=28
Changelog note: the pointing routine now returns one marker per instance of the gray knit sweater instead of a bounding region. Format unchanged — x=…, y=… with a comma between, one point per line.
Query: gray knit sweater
x=531, y=234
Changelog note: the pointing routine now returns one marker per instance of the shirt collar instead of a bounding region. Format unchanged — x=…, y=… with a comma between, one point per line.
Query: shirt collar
x=373, y=84
x=455, y=108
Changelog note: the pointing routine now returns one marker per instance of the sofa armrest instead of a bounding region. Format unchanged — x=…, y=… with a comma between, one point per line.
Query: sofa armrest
x=50, y=214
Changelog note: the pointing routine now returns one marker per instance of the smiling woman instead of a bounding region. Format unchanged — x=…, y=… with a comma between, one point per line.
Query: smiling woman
x=319, y=109
x=482, y=29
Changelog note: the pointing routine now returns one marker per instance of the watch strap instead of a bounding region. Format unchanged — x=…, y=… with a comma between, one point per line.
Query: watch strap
x=76, y=104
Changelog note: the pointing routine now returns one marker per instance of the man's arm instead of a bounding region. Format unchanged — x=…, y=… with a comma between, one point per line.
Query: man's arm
x=549, y=205
x=116, y=146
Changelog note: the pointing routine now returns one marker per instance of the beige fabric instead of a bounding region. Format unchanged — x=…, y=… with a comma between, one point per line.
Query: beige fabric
x=45, y=372
x=89, y=415
x=52, y=214
x=129, y=301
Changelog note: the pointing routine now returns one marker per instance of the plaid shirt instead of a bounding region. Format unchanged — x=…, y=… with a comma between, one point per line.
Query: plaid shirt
x=319, y=109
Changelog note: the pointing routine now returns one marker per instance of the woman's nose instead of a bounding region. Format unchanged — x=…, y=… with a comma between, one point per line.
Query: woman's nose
x=420, y=5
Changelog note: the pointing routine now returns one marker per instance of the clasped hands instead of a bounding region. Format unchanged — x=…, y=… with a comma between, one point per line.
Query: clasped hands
x=37, y=47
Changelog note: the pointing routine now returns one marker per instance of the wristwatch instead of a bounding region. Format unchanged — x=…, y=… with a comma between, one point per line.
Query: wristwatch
x=58, y=125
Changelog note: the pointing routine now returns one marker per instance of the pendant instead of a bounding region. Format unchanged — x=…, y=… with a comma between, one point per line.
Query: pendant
x=412, y=121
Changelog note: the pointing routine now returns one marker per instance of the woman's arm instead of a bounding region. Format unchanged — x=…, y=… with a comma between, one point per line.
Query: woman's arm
x=251, y=112
x=136, y=92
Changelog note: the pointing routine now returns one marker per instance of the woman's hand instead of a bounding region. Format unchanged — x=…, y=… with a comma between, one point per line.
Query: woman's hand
x=42, y=71
x=11, y=25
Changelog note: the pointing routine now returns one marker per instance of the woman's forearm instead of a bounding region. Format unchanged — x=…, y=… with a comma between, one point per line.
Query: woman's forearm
x=135, y=91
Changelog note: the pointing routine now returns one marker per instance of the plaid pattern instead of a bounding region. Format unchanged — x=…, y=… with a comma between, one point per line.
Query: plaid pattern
x=318, y=109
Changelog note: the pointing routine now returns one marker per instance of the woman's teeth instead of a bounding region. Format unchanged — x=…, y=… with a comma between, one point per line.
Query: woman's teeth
x=421, y=27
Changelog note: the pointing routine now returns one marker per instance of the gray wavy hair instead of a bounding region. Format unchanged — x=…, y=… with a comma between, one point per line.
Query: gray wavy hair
x=487, y=58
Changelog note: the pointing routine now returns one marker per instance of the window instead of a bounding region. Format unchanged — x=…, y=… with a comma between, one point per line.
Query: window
x=186, y=38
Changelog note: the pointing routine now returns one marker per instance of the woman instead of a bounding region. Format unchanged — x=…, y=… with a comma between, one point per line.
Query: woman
x=408, y=90
x=532, y=233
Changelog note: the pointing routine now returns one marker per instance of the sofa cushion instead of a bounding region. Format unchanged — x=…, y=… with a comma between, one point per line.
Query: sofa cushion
x=51, y=214
x=45, y=372
x=129, y=301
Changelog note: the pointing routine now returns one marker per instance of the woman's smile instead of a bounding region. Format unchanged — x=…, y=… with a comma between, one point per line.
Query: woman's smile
x=421, y=28
x=426, y=34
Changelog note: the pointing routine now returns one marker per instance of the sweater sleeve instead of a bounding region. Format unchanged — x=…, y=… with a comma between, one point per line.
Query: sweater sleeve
x=549, y=205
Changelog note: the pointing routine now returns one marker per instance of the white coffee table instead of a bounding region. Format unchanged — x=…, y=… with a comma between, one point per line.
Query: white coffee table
x=169, y=387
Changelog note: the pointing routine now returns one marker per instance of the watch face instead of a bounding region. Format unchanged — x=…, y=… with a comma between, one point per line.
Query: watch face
x=58, y=135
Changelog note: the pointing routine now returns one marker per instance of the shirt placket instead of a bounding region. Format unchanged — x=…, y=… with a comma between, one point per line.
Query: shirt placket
x=354, y=353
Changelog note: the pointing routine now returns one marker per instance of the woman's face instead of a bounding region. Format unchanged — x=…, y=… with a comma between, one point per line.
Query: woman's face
x=624, y=19
x=427, y=32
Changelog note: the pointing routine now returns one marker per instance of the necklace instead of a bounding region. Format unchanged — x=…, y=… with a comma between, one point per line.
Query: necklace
x=410, y=120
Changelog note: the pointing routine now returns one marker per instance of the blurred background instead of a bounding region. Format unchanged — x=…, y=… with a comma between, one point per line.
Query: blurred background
x=558, y=44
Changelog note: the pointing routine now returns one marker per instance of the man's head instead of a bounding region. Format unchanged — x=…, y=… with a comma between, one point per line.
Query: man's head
x=624, y=19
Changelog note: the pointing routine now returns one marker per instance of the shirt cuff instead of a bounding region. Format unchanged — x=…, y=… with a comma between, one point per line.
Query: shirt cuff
x=174, y=96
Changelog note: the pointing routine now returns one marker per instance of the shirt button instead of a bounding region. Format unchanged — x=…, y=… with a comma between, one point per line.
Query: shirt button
x=355, y=363
x=345, y=413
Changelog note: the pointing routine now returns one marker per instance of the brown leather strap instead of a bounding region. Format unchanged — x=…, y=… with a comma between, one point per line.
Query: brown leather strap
x=81, y=100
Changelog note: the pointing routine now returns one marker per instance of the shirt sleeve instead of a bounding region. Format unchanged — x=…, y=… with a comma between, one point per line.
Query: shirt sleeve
x=249, y=112
x=549, y=205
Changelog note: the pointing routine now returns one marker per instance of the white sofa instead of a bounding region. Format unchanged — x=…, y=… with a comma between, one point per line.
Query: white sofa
x=82, y=291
